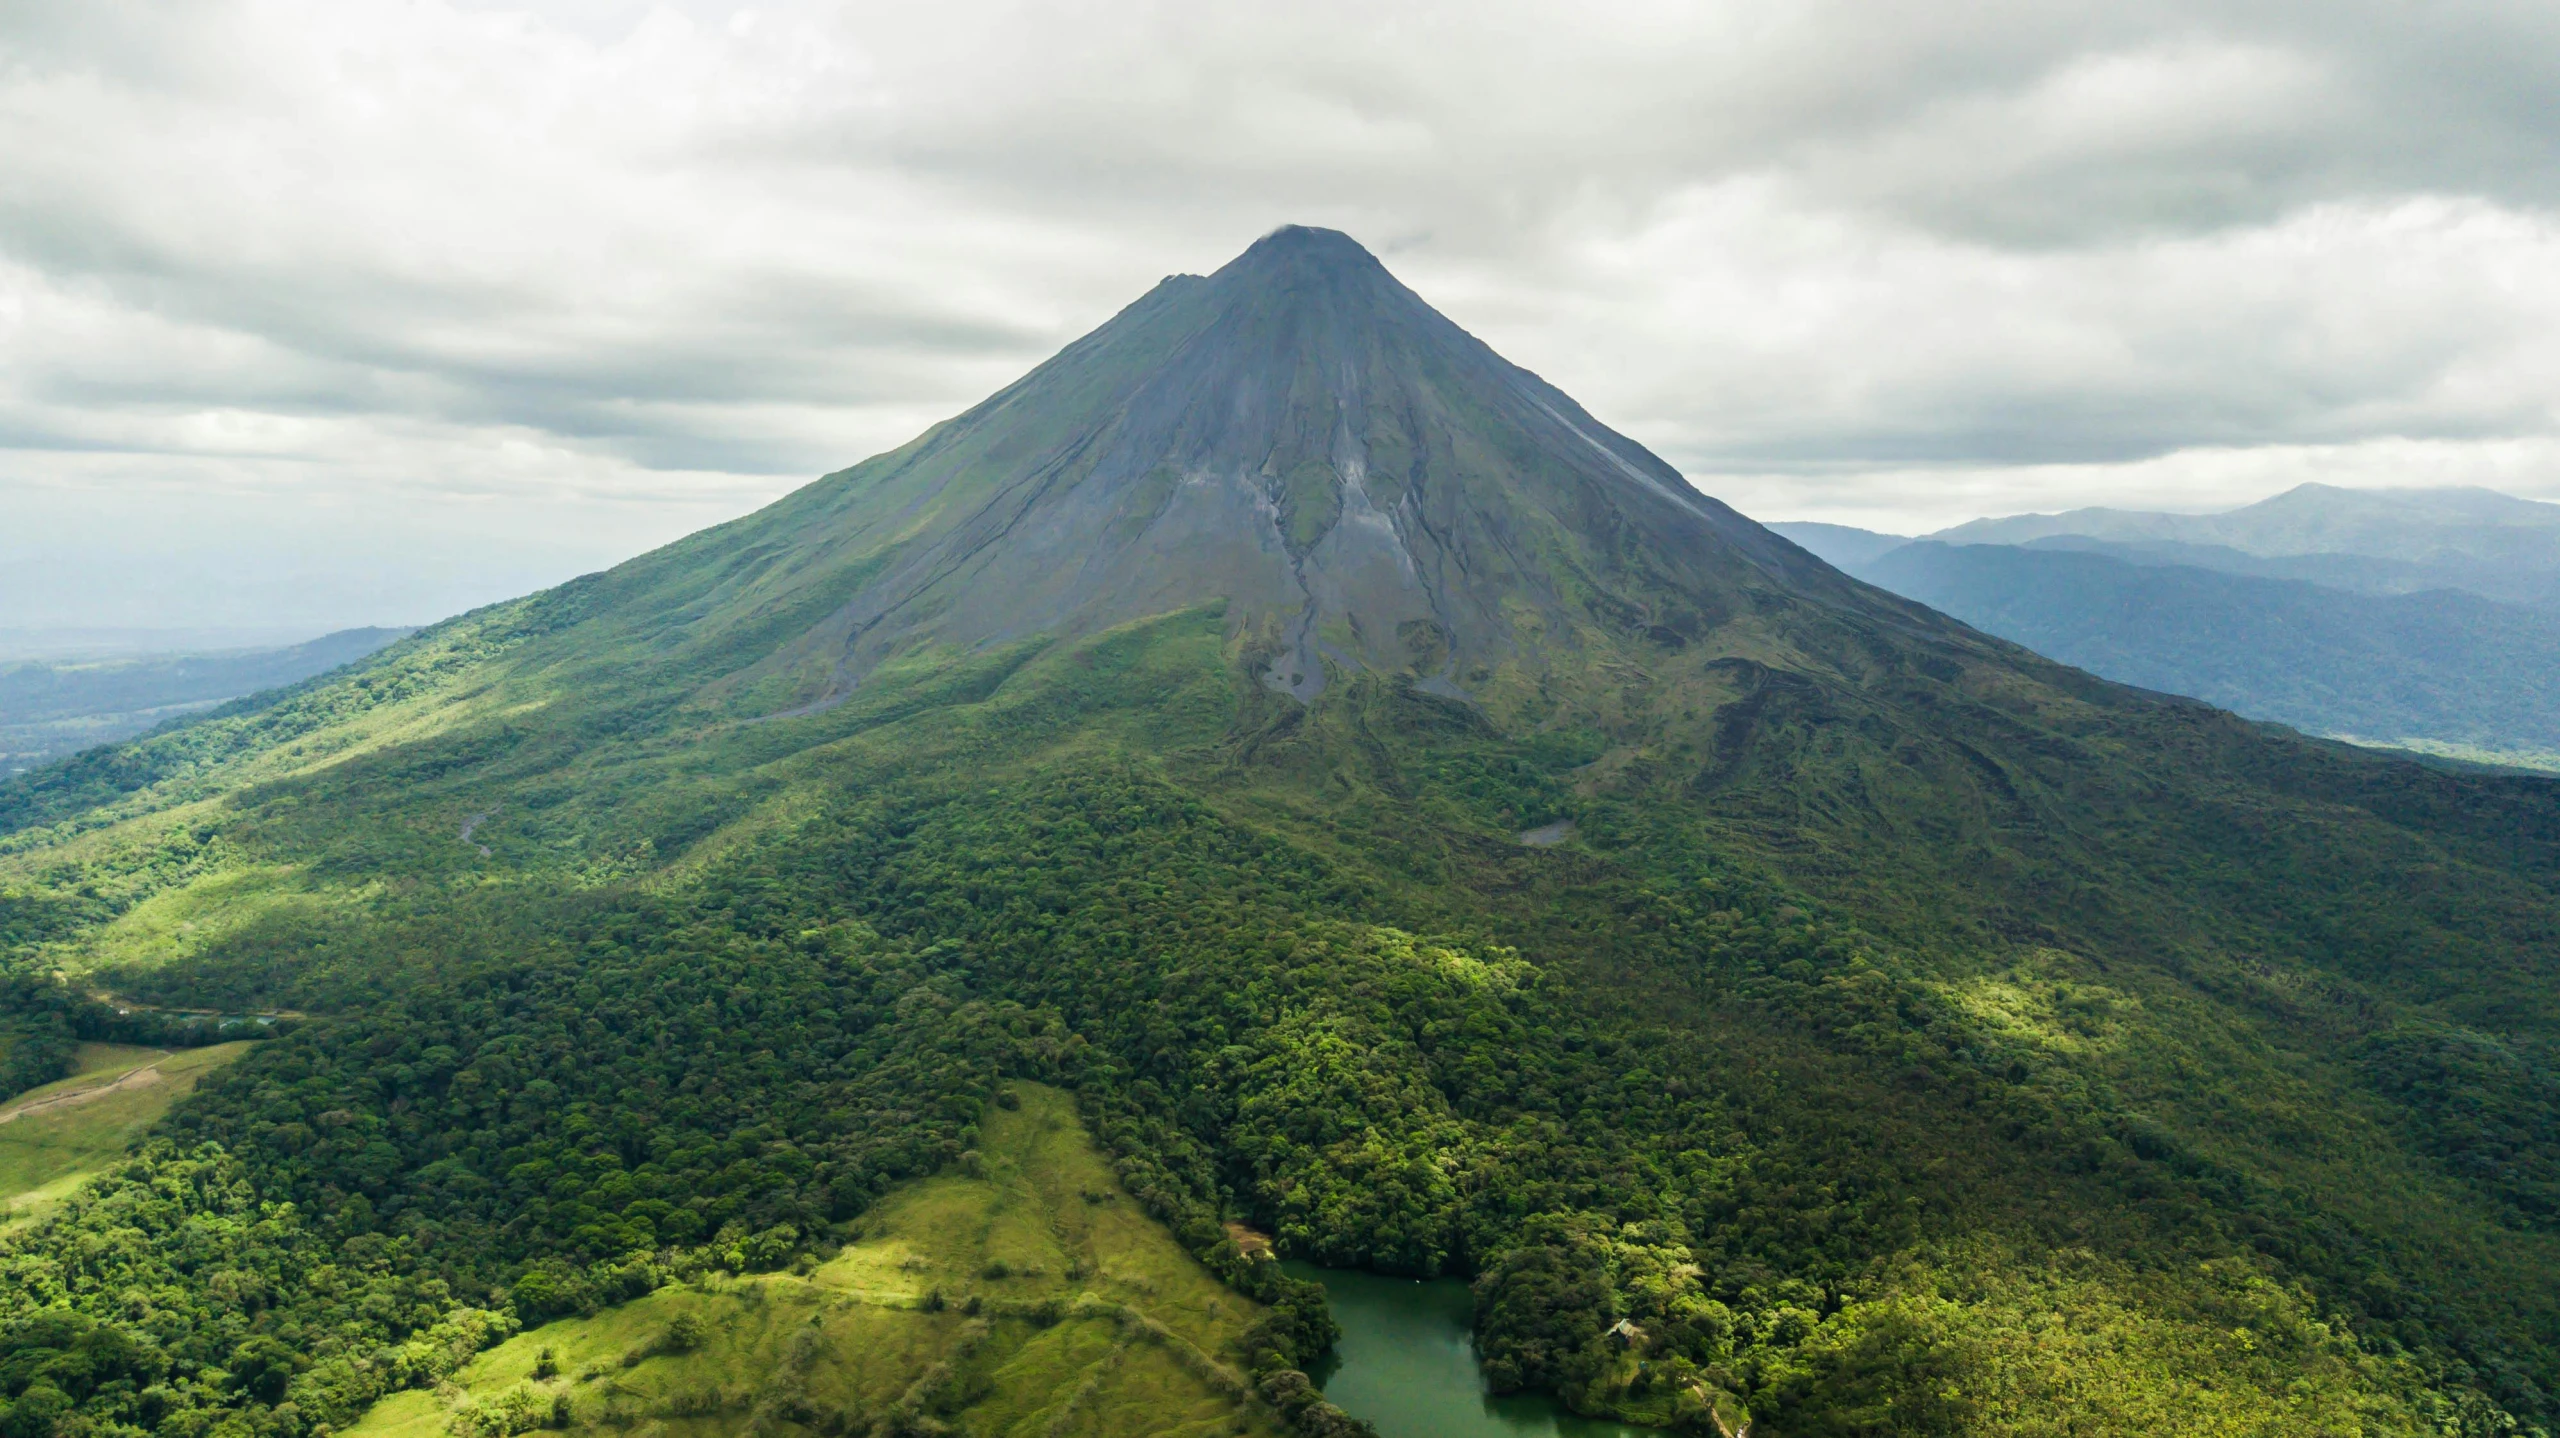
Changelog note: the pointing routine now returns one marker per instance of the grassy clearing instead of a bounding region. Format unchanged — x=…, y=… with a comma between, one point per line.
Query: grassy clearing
x=55, y=1137
x=180, y=921
x=1023, y=1293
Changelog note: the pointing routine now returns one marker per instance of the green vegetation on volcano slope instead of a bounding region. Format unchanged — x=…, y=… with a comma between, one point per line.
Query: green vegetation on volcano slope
x=1882, y=1083
x=1914, y=1036
x=1022, y=1291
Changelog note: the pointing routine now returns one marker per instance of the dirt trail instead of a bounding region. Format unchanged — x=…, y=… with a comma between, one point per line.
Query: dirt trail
x=142, y=1077
x=472, y=825
x=124, y=1005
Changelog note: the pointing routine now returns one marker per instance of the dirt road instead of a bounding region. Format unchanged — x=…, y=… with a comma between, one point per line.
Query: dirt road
x=142, y=1077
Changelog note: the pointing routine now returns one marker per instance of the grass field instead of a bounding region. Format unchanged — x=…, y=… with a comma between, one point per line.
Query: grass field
x=53, y=1137
x=1024, y=1294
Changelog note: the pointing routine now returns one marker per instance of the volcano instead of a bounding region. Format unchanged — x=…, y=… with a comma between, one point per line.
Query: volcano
x=1367, y=487
x=1299, y=435
x=1407, y=827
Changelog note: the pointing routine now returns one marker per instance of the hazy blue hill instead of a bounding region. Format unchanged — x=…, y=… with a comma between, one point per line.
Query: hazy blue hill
x=50, y=707
x=59, y=644
x=1841, y=545
x=2378, y=540
x=2340, y=644
x=2357, y=573
x=2315, y=519
x=2440, y=665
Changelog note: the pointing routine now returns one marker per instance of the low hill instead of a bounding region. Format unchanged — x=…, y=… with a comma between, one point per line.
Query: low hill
x=1844, y=546
x=2441, y=671
x=2383, y=541
x=2355, y=573
x=51, y=707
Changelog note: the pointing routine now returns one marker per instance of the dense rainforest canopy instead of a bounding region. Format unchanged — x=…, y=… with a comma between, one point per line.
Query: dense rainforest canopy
x=1415, y=826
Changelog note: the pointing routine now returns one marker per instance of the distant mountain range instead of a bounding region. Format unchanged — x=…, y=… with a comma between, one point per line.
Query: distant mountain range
x=2376, y=541
x=2427, y=619
x=56, y=706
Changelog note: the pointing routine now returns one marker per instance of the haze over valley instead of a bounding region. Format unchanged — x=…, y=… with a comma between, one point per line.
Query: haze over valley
x=2422, y=619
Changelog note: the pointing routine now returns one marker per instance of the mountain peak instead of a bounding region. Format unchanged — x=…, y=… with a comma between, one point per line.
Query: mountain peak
x=1307, y=244
x=1363, y=485
x=1319, y=292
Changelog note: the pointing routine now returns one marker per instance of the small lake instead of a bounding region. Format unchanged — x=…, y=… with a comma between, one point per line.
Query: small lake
x=1407, y=1363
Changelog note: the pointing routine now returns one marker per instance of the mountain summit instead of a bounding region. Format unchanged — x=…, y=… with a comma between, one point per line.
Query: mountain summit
x=1405, y=826
x=1300, y=436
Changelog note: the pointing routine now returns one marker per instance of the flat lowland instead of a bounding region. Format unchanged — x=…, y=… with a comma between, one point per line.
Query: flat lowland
x=53, y=1138
x=1024, y=1292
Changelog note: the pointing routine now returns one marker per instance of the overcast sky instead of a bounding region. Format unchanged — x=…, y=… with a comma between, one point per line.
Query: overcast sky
x=331, y=313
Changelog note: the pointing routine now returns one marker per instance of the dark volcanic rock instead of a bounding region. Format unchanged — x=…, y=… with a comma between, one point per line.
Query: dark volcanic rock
x=1301, y=436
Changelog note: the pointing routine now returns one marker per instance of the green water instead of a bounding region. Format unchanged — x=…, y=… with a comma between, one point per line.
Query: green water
x=1407, y=1362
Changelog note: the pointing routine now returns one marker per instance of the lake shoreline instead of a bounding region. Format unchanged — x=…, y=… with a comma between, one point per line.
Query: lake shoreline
x=1407, y=1363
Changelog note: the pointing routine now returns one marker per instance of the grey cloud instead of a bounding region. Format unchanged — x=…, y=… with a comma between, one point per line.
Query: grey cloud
x=2020, y=123
x=612, y=246
x=2230, y=115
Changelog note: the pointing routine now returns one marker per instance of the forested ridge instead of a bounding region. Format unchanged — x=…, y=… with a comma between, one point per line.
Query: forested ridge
x=1820, y=1169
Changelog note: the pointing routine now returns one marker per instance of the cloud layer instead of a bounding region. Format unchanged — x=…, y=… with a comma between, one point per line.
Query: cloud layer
x=330, y=313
